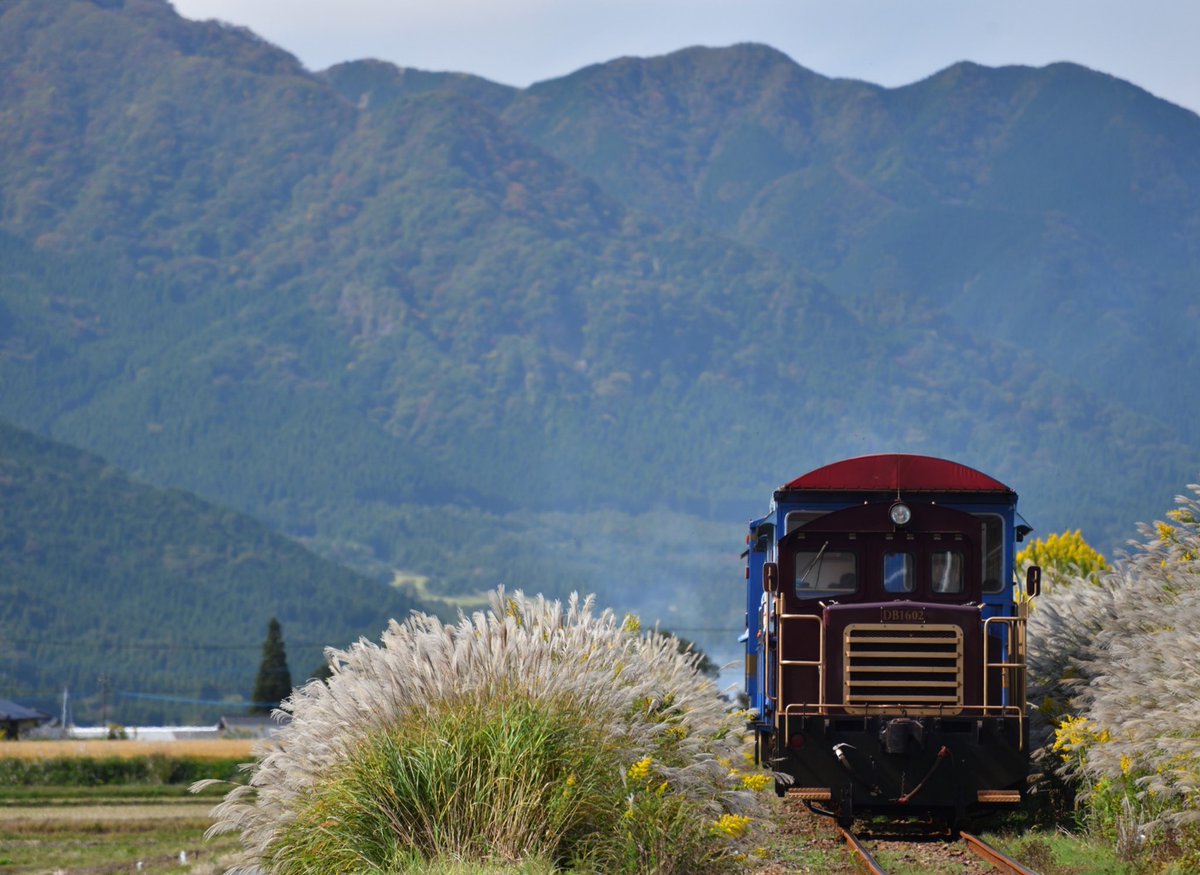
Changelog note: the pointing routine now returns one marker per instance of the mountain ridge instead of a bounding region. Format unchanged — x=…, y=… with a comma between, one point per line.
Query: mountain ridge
x=440, y=327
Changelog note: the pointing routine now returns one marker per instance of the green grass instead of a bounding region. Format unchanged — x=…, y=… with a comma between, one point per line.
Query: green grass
x=1057, y=852
x=115, y=794
x=451, y=867
x=806, y=843
x=521, y=784
x=518, y=781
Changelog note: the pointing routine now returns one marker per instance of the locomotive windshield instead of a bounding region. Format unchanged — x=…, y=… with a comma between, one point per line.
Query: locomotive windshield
x=825, y=572
x=946, y=569
x=898, y=572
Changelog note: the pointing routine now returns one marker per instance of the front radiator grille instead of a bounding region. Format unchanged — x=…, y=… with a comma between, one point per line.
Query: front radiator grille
x=914, y=669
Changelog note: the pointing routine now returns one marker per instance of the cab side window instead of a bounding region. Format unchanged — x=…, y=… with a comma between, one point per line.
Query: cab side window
x=993, y=552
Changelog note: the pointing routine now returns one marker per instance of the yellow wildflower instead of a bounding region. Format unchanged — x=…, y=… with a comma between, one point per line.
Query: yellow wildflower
x=756, y=782
x=1064, y=555
x=1076, y=734
x=641, y=770
x=731, y=826
x=675, y=733
x=632, y=624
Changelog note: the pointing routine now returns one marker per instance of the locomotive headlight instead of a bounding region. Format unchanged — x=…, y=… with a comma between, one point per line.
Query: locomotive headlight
x=900, y=513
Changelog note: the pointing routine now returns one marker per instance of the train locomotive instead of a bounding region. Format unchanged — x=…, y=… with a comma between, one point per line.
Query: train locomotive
x=885, y=639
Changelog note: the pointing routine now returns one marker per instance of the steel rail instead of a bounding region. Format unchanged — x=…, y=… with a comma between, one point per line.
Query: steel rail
x=997, y=859
x=864, y=855
x=1000, y=860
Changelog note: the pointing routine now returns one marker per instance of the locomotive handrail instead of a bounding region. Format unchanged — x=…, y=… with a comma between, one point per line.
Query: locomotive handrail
x=1014, y=629
x=1013, y=626
x=781, y=663
x=869, y=709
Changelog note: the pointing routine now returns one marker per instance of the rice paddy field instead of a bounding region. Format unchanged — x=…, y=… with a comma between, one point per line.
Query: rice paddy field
x=88, y=827
x=219, y=748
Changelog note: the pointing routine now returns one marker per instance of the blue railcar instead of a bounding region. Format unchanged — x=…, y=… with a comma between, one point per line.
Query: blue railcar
x=885, y=639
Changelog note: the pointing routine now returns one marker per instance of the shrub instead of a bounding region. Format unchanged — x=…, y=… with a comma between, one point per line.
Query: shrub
x=531, y=733
x=95, y=771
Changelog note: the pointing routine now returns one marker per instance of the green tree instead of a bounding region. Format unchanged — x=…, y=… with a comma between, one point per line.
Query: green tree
x=274, y=681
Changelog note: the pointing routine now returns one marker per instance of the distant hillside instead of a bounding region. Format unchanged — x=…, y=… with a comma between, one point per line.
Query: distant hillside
x=987, y=195
x=571, y=336
x=163, y=593
x=1057, y=209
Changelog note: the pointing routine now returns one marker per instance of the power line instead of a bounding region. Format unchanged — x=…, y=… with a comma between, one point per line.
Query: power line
x=159, y=697
x=175, y=646
x=738, y=630
x=148, y=645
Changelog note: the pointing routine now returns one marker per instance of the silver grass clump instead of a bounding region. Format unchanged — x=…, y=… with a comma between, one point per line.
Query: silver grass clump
x=1064, y=627
x=1121, y=655
x=548, y=653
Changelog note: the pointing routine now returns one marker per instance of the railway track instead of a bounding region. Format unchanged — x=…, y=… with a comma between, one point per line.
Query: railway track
x=976, y=848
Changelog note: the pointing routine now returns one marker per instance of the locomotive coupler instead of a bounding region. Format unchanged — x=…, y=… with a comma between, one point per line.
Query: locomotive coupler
x=902, y=734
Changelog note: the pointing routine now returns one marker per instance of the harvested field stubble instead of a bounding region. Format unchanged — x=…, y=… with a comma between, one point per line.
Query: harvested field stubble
x=100, y=818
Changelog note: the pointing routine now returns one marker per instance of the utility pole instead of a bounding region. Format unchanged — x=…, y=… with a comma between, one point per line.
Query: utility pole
x=103, y=700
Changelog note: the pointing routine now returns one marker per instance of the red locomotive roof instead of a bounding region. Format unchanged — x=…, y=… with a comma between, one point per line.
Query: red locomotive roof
x=897, y=471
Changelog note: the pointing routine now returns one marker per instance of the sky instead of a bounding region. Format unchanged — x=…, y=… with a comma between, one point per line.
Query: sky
x=1152, y=43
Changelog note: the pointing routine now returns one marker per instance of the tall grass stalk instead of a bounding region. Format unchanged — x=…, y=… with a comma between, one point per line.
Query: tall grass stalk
x=1114, y=664
x=530, y=732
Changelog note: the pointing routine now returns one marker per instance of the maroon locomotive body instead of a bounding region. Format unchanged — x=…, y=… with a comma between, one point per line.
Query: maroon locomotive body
x=886, y=639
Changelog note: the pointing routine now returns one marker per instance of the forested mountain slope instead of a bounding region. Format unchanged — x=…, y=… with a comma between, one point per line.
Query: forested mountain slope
x=571, y=336
x=983, y=194
x=163, y=593
x=988, y=195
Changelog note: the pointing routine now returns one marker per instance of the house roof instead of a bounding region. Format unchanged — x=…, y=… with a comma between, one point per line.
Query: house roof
x=12, y=711
x=252, y=725
x=248, y=721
